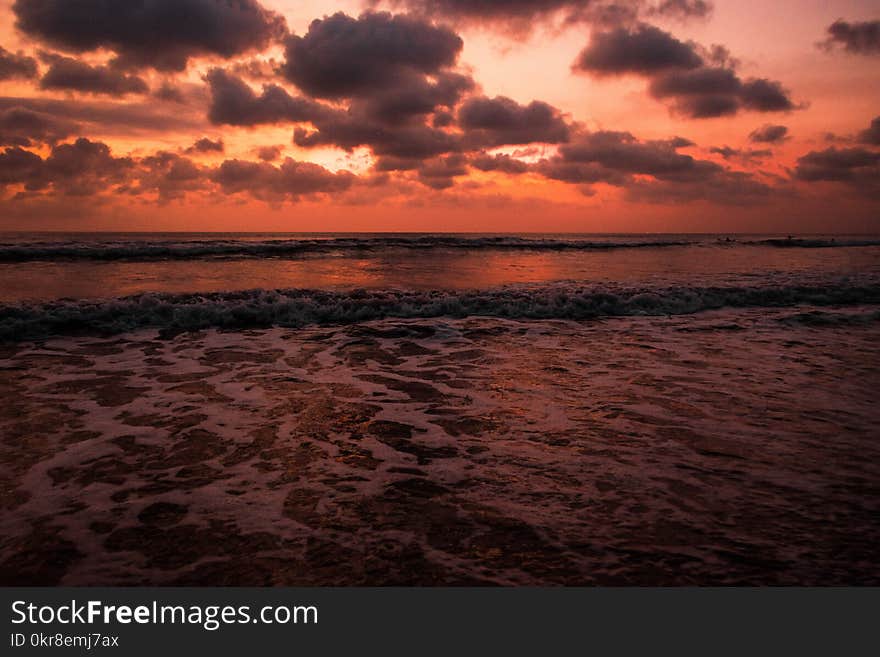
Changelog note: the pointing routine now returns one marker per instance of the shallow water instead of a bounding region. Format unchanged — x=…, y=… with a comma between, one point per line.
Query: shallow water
x=732, y=446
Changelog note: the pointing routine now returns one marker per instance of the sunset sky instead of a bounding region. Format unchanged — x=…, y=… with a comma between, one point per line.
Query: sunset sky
x=440, y=115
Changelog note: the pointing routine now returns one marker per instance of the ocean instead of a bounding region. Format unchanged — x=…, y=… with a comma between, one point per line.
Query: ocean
x=264, y=409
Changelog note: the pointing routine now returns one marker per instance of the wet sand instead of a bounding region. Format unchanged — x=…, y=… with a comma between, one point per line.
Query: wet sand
x=729, y=447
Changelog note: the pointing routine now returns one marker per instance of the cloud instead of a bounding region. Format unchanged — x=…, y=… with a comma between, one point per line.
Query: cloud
x=698, y=82
x=857, y=167
x=205, y=145
x=233, y=102
x=20, y=126
x=291, y=180
x=341, y=57
x=82, y=168
x=517, y=17
x=712, y=91
x=769, y=134
x=16, y=65
x=490, y=122
x=408, y=142
x=169, y=175
x=735, y=188
x=644, y=50
x=872, y=134
x=269, y=153
x=501, y=162
x=163, y=34
x=860, y=38
x=746, y=156
x=73, y=75
x=125, y=118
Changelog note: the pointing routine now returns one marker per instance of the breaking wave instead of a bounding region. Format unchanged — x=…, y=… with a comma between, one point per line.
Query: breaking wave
x=191, y=249
x=296, y=308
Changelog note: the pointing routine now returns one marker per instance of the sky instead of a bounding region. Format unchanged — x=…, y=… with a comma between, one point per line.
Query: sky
x=440, y=115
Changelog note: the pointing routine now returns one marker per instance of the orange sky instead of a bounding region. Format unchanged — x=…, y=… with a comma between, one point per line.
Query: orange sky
x=641, y=183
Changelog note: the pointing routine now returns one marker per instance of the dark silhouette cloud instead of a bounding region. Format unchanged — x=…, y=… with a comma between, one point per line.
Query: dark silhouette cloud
x=162, y=34
x=440, y=173
x=518, y=16
x=74, y=75
x=409, y=142
x=838, y=164
x=111, y=117
x=205, y=145
x=621, y=152
x=735, y=188
x=872, y=134
x=233, y=102
x=698, y=82
x=82, y=168
x=16, y=65
x=169, y=93
x=501, y=162
x=168, y=175
x=269, y=153
x=860, y=38
x=342, y=57
x=769, y=134
x=20, y=126
x=291, y=180
x=857, y=167
x=489, y=122
x=744, y=155
x=709, y=92
x=645, y=50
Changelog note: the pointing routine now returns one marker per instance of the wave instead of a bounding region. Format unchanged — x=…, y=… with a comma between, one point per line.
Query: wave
x=297, y=308
x=192, y=249
x=808, y=243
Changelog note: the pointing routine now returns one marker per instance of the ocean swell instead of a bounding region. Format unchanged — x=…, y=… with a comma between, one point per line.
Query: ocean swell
x=290, y=248
x=296, y=308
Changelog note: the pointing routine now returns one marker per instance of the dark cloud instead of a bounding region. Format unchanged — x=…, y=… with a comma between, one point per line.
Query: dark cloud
x=233, y=102
x=82, y=168
x=744, y=155
x=440, y=172
x=872, y=134
x=205, y=145
x=125, y=118
x=489, y=122
x=16, y=65
x=682, y=8
x=291, y=180
x=622, y=153
x=20, y=126
x=341, y=57
x=724, y=188
x=73, y=75
x=169, y=93
x=408, y=142
x=857, y=167
x=861, y=38
x=709, y=92
x=769, y=134
x=269, y=153
x=20, y=166
x=519, y=16
x=501, y=162
x=162, y=34
x=168, y=175
x=650, y=171
x=414, y=99
x=698, y=82
x=644, y=50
